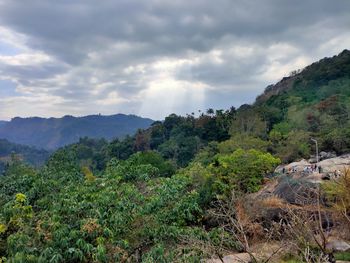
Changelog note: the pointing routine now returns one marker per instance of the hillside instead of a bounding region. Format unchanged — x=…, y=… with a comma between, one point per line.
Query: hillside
x=192, y=188
x=313, y=103
x=27, y=154
x=2, y=123
x=56, y=132
x=312, y=77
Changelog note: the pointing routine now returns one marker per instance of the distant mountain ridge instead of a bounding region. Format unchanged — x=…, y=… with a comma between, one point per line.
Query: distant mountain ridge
x=2, y=123
x=52, y=133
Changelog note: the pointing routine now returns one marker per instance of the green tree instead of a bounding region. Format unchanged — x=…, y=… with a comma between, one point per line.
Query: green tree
x=243, y=170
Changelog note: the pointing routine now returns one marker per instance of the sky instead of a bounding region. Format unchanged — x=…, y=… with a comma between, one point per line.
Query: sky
x=156, y=57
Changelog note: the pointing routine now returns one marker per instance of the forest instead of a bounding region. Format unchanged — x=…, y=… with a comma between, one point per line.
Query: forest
x=185, y=189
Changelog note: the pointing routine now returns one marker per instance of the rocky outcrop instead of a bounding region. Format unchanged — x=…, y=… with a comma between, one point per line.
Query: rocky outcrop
x=338, y=245
x=328, y=166
x=334, y=164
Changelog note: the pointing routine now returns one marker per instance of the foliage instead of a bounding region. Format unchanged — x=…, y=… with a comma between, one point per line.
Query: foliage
x=243, y=170
x=339, y=194
x=243, y=141
x=10, y=152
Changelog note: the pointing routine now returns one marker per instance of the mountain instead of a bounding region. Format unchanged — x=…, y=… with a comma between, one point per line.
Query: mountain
x=27, y=154
x=52, y=133
x=312, y=78
x=311, y=103
x=2, y=123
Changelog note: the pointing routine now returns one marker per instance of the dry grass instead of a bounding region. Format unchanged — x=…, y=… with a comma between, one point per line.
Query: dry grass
x=273, y=201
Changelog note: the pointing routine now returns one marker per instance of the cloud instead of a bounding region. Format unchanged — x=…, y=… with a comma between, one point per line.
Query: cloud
x=154, y=57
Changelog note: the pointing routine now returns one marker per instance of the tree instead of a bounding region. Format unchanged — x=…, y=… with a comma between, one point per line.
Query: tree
x=243, y=170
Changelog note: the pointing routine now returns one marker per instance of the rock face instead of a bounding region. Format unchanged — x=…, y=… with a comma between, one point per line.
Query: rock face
x=299, y=166
x=327, y=155
x=334, y=164
x=299, y=182
x=328, y=166
x=298, y=192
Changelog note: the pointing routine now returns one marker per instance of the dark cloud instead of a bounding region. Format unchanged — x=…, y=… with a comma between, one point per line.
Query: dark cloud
x=125, y=52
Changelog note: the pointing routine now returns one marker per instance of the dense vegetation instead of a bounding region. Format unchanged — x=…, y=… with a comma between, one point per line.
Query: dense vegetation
x=10, y=152
x=158, y=196
x=52, y=133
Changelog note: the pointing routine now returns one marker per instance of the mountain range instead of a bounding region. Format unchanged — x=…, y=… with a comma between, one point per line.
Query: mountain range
x=52, y=133
x=2, y=123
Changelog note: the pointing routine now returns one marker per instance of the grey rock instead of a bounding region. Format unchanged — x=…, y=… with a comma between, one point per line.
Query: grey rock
x=338, y=245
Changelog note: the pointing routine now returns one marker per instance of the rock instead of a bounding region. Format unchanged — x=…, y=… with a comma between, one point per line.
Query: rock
x=328, y=165
x=326, y=177
x=234, y=258
x=327, y=155
x=299, y=166
x=213, y=260
x=296, y=191
x=336, y=163
x=312, y=160
x=262, y=251
x=338, y=245
x=238, y=258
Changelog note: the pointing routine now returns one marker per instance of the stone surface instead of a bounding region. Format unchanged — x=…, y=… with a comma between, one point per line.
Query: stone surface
x=338, y=245
x=234, y=258
x=328, y=166
x=327, y=155
x=334, y=164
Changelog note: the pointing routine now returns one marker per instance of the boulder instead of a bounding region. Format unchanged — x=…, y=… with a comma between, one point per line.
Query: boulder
x=234, y=258
x=298, y=165
x=238, y=258
x=328, y=166
x=296, y=191
x=327, y=155
x=336, y=163
x=338, y=245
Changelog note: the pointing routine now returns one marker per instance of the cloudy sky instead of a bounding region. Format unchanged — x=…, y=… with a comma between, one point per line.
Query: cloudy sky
x=155, y=57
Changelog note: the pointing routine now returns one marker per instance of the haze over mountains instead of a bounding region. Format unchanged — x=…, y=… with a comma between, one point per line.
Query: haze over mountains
x=53, y=133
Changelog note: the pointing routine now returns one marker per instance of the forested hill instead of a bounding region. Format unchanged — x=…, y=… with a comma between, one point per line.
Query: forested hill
x=56, y=132
x=312, y=77
x=10, y=152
